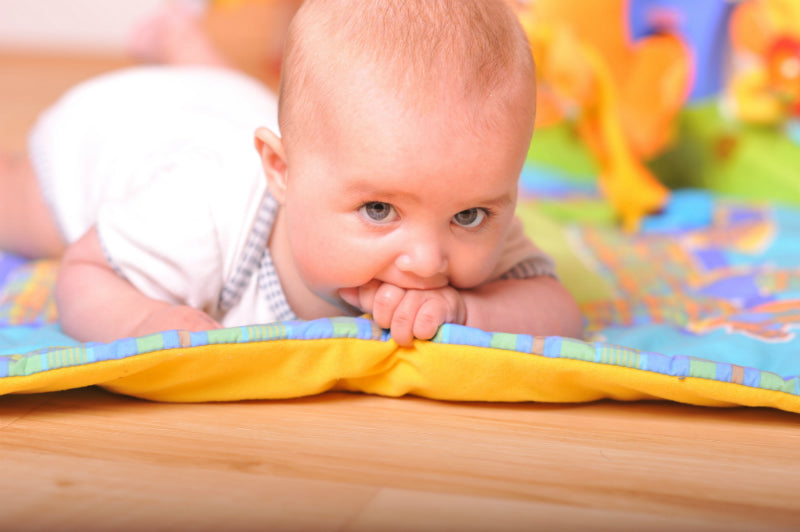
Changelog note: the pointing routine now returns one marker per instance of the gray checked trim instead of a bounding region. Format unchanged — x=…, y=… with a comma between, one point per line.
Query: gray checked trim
x=270, y=284
x=532, y=267
x=252, y=256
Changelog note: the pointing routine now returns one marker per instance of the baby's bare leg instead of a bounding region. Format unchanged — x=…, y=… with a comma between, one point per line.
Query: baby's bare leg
x=174, y=35
x=27, y=226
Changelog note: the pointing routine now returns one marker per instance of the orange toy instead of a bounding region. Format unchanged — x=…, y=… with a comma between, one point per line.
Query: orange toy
x=765, y=35
x=621, y=96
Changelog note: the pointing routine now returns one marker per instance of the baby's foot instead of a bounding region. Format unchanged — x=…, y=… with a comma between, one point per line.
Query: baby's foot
x=174, y=35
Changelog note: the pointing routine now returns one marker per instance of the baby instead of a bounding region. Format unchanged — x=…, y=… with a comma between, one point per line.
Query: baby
x=390, y=189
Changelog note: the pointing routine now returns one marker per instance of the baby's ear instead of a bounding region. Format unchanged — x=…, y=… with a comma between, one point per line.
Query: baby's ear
x=273, y=159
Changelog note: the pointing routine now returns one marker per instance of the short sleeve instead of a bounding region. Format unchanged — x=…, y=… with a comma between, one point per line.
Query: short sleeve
x=163, y=239
x=521, y=258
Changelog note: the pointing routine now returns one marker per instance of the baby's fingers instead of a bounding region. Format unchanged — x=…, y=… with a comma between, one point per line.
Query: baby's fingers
x=352, y=297
x=417, y=316
x=430, y=316
x=385, y=302
x=360, y=297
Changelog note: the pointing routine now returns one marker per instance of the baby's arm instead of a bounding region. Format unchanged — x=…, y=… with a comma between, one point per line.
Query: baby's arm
x=537, y=306
x=96, y=304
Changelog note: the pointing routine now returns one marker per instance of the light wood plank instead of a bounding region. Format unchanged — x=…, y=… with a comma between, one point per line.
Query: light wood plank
x=606, y=463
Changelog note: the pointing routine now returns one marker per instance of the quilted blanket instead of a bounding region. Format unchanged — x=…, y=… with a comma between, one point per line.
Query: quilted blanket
x=702, y=306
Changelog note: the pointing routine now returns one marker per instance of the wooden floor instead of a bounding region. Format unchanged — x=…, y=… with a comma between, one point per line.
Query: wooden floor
x=88, y=460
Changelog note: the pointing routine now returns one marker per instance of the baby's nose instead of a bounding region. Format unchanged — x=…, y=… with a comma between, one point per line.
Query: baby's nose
x=423, y=258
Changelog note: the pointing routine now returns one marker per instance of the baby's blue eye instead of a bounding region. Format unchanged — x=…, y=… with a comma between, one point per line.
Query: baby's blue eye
x=377, y=211
x=470, y=218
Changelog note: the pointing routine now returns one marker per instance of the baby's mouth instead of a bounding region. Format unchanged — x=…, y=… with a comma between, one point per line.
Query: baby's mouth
x=408, y=282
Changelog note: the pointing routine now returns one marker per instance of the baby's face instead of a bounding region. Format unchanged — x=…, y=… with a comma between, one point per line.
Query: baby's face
x=400, y=199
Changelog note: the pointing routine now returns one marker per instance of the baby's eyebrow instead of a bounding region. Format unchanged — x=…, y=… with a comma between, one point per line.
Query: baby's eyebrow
x=503, y=200
x=493, y=203
x=365, y=188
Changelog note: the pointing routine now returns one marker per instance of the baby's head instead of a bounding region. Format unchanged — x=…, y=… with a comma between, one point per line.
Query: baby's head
x=426, y=54
x=405, y=124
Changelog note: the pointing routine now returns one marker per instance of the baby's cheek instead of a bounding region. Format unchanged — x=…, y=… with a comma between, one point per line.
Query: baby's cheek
x=473, y=267
x=334, y=264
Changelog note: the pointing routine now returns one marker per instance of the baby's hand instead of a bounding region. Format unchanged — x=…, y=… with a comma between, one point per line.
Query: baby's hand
x=408, y=314
x=171, y=317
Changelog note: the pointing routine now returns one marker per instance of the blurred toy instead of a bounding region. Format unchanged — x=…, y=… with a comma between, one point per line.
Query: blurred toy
x=621, y=97
x=273, y=32
x=765, y=85
x=702, y=25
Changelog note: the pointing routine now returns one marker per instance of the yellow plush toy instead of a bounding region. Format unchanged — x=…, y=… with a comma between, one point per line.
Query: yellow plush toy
x=622, y=98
